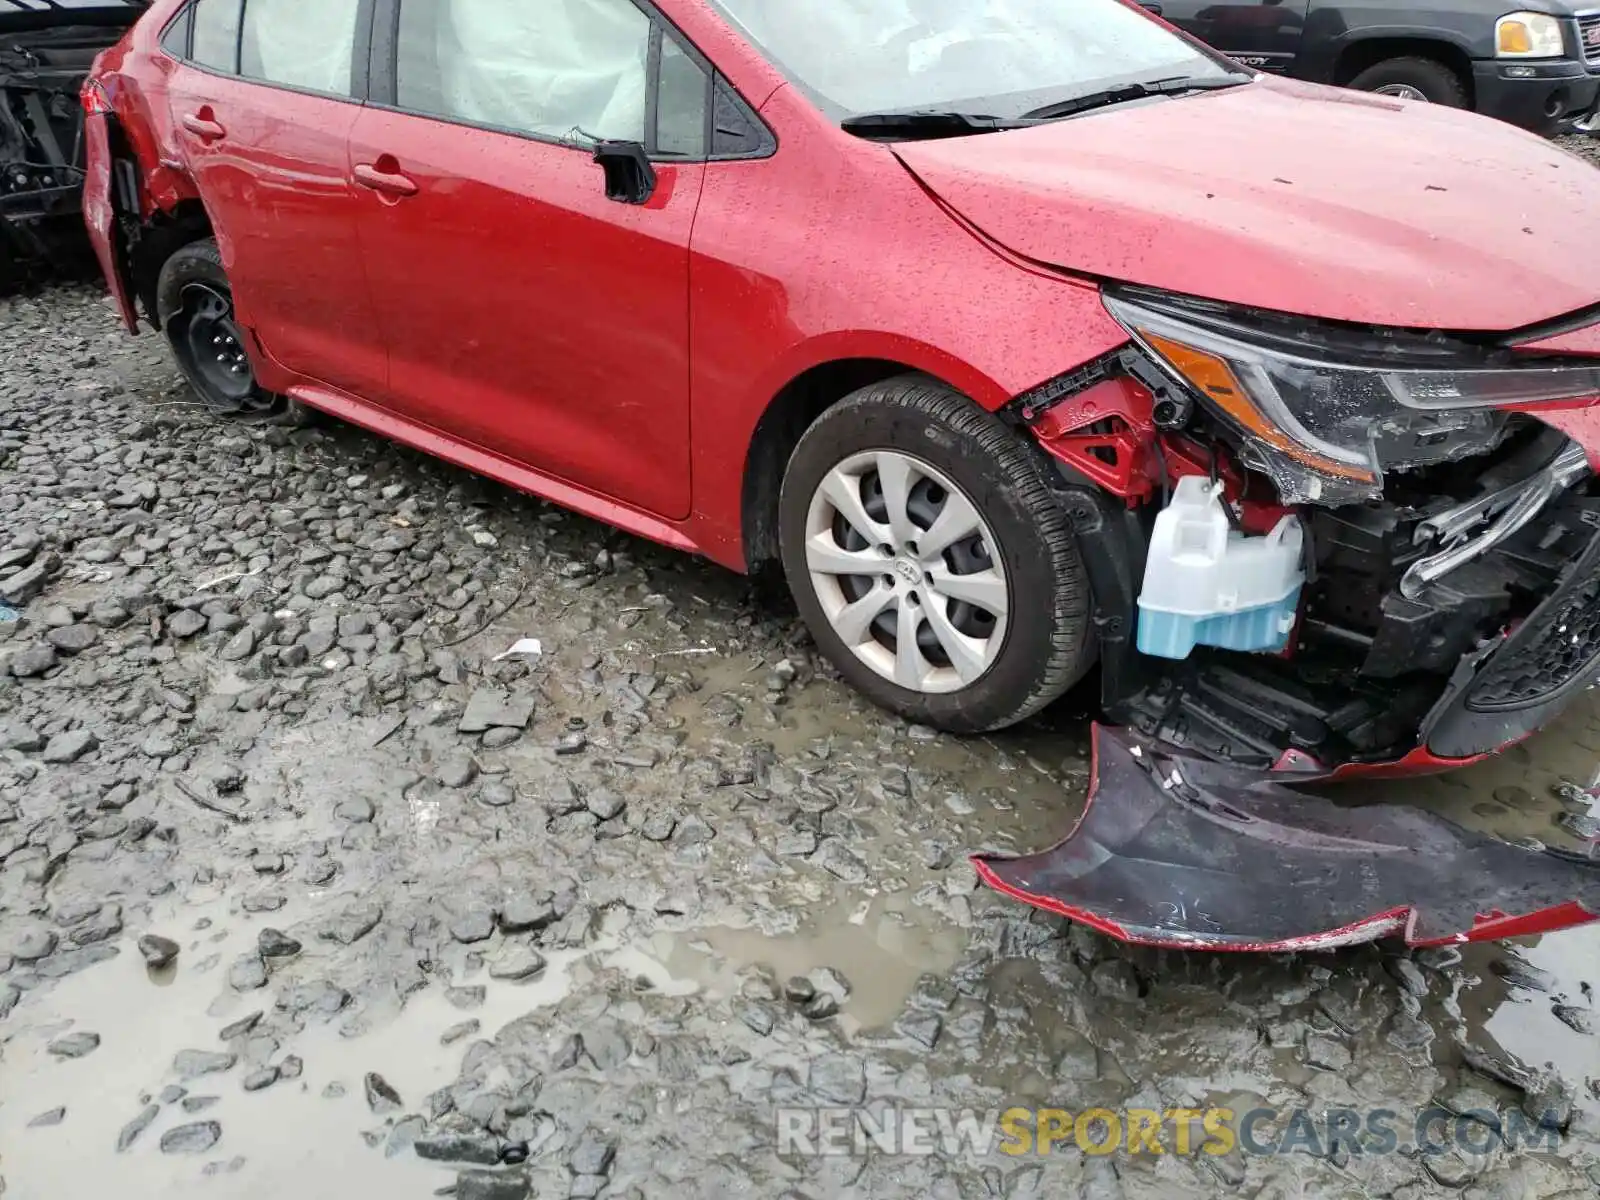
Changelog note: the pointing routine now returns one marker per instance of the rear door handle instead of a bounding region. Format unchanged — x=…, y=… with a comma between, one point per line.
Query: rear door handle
x=391, y=182
x=203, y=126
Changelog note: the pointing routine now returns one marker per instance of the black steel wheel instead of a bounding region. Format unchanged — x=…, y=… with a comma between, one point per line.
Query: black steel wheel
x=195, y=304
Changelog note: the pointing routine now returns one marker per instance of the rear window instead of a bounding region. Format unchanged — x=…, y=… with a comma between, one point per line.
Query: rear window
x=175, y=41
x=216, y=34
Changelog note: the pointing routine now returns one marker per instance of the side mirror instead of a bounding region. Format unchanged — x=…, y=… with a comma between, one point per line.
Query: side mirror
x=1153, y=6
x=630, y=178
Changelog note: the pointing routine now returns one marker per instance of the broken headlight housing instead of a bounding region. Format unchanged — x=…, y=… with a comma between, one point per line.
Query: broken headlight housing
x=1323, y=410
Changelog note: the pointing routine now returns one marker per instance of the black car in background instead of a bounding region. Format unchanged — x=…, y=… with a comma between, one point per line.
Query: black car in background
x=46, y=48
x=1537, y=66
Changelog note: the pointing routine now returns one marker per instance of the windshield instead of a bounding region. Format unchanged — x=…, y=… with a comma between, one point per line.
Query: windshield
x=999, y=57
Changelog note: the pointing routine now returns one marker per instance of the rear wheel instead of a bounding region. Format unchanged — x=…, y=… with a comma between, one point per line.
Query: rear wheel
x=195, y=303
x=1414, y=78
x=930, y=560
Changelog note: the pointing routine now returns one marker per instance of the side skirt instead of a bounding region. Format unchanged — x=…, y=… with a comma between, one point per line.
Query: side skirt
x=485, y=462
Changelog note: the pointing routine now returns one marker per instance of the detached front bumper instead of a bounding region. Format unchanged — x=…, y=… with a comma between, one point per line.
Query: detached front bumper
x=1193, y=836
x=1543, y=96
x=1190, y=854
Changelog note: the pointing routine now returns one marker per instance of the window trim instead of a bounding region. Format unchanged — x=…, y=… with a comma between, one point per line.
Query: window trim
x=185, y=14
x=384, y=89
x=652, y=90
x=360, y=55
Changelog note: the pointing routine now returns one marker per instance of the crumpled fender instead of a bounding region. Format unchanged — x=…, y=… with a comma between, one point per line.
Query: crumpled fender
x=1192, y=854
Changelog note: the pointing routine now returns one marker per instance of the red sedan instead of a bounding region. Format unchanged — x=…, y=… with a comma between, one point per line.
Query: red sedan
x=1032, y=339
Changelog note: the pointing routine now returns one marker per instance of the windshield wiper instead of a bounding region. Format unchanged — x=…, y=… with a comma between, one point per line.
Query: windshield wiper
x=937, y=123
x=927, y=123
x=1130, y=91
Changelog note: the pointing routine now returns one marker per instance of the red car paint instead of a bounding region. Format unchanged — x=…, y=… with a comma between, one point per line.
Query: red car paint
x=1289, y=196
x=474, y=294
x=1105, y=433
x=100, y=217
x=842, y=264
x=1489, y=927
x=1418, y=762
x=742, y=276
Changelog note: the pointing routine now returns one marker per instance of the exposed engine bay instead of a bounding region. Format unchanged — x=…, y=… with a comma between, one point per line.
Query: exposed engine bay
x=1394, y=570
x=45, y=54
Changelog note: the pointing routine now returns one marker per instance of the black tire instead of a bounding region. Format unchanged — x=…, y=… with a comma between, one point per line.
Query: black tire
x=1047, y=645
x=194, y=301
x=1437, y=82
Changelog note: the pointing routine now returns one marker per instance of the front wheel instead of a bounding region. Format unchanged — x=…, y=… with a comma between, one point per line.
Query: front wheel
x=1414, y=78
x=195, y=303
x=930, y=559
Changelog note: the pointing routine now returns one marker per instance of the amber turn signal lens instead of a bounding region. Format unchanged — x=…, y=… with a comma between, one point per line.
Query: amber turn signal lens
x=1215, y=378
x=1515, y=38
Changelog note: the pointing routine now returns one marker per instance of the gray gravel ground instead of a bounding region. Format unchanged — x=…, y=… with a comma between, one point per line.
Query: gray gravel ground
x=1583, y=146
x=300, y=888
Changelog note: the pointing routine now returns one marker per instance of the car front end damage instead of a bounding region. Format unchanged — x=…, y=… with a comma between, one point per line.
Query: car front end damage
x=46, y=50
x=1444, y=604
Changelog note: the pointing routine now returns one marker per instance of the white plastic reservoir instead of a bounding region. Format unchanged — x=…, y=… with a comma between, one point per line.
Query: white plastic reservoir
x=1206, y=584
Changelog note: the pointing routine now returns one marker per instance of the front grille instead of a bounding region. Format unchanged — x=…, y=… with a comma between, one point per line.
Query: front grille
x=1589, y=37
x=1557, y=647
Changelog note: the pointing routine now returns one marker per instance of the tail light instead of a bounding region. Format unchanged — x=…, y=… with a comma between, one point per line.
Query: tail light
x=95, y=101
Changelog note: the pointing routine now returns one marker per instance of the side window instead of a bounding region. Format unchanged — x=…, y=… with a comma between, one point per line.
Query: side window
x=175, y=41
x=216, y=34
x=682, y=89
x=735, y=132
x=300, y=43
x=550, y=67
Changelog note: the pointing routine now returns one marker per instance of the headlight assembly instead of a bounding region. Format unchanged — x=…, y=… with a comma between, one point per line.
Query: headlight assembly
x=1528, y=35
x=1324, y=429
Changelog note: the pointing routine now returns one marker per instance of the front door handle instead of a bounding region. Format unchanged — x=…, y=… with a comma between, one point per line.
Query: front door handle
x=203, y=125
x=388, y=181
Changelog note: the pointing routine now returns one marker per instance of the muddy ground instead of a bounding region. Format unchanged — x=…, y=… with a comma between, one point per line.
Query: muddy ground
x=303, y=893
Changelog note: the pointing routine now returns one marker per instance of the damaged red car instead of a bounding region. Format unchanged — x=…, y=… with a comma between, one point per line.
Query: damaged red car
x=1038, y=343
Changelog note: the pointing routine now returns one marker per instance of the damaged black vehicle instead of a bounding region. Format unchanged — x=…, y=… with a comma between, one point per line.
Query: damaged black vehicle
x=46, y=50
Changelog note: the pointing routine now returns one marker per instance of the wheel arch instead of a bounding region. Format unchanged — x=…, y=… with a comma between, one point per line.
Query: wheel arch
x=161, y=236
x=1373, y=48
x=812, y=390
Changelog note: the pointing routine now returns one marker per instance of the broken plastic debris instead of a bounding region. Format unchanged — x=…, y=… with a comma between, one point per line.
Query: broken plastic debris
x=526, y=648
x=8, y=614
x=1183, y=852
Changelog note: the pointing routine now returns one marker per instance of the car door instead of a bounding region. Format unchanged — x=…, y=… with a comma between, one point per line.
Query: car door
x=533, y=305
x=262, y=103
x=1264, y=34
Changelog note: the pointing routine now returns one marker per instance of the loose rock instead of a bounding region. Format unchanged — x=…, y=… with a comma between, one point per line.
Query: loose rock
x=195, y=1138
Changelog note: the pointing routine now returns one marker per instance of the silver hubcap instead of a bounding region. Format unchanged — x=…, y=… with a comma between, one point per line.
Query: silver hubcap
x=907, y=572
x=1403, y=90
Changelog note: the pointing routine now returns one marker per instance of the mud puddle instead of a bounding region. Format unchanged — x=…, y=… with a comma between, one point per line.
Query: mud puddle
x=306, y=1136
x=880, y=947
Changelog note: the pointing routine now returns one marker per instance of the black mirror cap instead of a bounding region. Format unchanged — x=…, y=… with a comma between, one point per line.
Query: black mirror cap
x=630, y=177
